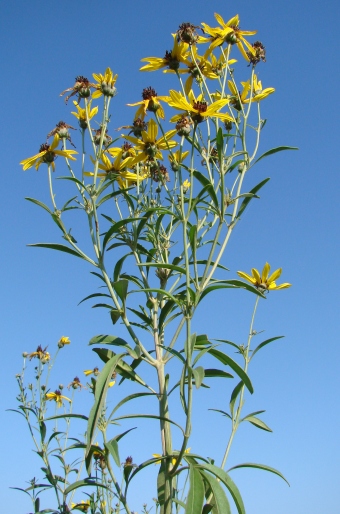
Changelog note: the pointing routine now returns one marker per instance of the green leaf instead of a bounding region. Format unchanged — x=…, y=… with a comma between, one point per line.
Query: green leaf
x=116, y=227
x=257, y=423
x=84, y=483
x=115, y=315
x=150, y=416
x=73, y=179
x=234, y=395
x=121, y=287
x=129, y=398
x=102, y=385
x=217, y=373
x=118, y=267
x=161, y=486
x=260, y=466
x=222, y=412
x=94, y=295
x=171, y=267
x=228, y=361
x=220, y=501
x=112, y=448
x=275, y=150
x=60, y=248
x=196, y=492
x=198, y=374
x=228, y=482
x=248, y=199
x=66, y=416
x=267, y=341
x=37, y=202
x=123, y=369
x=106, y=339
x=219, y=145
x=210, y=188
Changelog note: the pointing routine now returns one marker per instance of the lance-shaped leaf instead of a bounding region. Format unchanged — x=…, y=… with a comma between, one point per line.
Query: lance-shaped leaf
x=228, y=361
x=228, y=482
x=264, y=343
x=60, y=248
x=102, y=385
x=264, y=467
x=116, y=227
x=219, y=145
x=121, y=288
x=257, y=422
x=195, y=498
x=209, y=188
x=198, y=374
x=112, y=448
x=84, y=483
x=253, y=192
x=275, y=150
x=41, y=204
x=220, y=501
x=122, y=368
x=107, y=339
x=234, y=395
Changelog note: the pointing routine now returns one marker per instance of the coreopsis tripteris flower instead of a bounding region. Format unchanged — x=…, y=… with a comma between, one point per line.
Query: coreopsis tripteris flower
x=264, y=281
x=57, y=397
x=197, y=108
x=259, y=55
x=61, y=129
x=149, y=147
x=137, y=127
x=230, y=33
x=258, y=93
x=171, y=60
x=62, y=341
x=40, y=354
x=174, y=459
x=150, y=103
x=176, y=159
x=105, y=84
x=187, y=33
x=81, y=88
x=118, y=170
x=88, y=372
x=83, y=506
x=84, y=114
x=75, y=384
x=47, y=155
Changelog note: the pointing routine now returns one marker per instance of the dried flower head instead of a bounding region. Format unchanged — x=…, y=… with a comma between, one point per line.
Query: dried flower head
x=187, y=33
x=81, y=88
x=259, y=55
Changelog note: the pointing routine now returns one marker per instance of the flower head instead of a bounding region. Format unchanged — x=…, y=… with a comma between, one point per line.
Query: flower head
x=174, y=459
x=149, y=146
x=197, y=108
x=81, y=88
x=61, y=129
x=105, y=84
x=264, y=282
x=187, y=33
x=84, y=114
x=259, y=55
x=62, y=341
x=47, y=154
x=176, y=159
x=40, y=354
x=150, y=103
x=88, y=372
x=57, y=397
x=75, y=384
x=83, y=506
x=171, y=60
x=230, y=33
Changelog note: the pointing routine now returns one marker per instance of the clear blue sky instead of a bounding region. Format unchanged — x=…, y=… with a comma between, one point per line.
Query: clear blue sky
x=43, y=46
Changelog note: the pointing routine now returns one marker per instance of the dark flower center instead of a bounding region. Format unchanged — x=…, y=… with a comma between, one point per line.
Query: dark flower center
x=171, y=60
x=148, y=93
x=187, y=33
x=200, y=106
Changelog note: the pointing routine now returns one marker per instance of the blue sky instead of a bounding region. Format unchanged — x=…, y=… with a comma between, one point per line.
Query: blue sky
x=44, y=45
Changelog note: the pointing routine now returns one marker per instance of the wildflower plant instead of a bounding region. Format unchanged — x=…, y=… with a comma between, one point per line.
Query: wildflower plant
x=162, y=200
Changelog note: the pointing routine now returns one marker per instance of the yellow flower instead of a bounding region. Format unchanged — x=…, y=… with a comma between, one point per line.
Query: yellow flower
x=229, y=33
x=174, y=460
x=63, y=340
x=57, y=397
x=95, y=371
x=118, y=170
x=40, y=354
x=106, y=84
x=150, y=103
x=264, y=282
x=171, y=60
x=186, y=184
x=81, y=113
x=149, y=146
x=258, y=93
x=176, y=158
x=46, y=155
x=83, y=506
x=197, y=108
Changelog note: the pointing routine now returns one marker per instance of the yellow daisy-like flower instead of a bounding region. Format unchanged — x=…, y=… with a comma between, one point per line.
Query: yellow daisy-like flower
x=118, y=167
x=174, y=460
x=40, y=354
x=264, y=281
x=83, y=506
x=57, y=397
x=62, y=341
x=105, y=84
x=258, y=93
x=197, y=108
x=242, y=98
x=149, y=146
x=171, y=60
x=88, y=372
x=150, y=103
x=47, y=155
x=230, y=33
x=176, y=158
x=81, y=113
